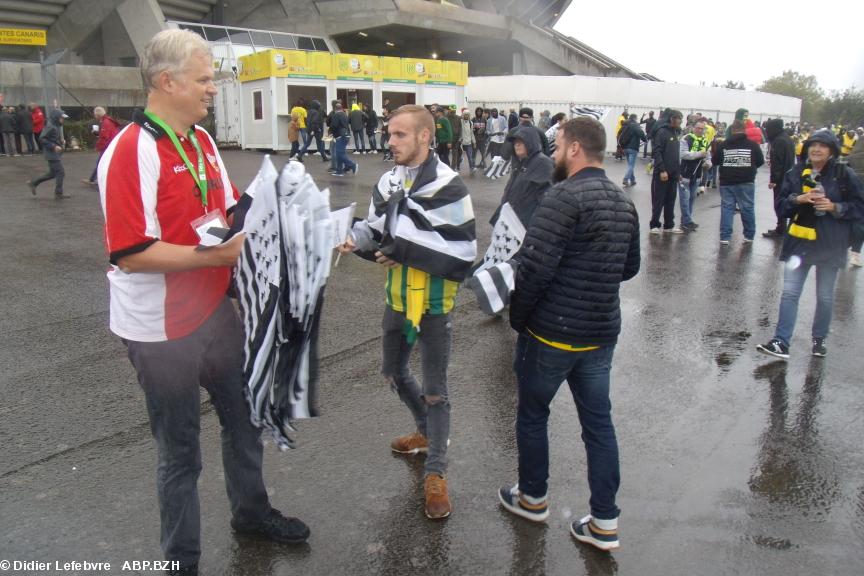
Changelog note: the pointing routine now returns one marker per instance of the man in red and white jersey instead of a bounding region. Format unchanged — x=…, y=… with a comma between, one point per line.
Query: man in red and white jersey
x=157, y=179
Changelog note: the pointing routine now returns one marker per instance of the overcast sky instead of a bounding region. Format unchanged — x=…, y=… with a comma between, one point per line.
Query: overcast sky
x=730, y=42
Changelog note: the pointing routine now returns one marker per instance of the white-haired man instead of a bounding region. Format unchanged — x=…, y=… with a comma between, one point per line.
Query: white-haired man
x=158, y=177
x=106, y=128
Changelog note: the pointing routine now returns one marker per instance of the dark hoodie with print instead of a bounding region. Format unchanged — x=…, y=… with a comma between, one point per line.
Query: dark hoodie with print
x=530, y=177
x=738, y=158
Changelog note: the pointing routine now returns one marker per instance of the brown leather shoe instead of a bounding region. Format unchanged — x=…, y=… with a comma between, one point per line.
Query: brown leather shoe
x=437, y=500
x=413, y=443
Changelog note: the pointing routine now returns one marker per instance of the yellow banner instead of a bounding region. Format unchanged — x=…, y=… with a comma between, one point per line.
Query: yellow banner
x=357, y=67
x=255, y=66
x=391, y=69
x=323, y=65
x=414, y=70
x=23, y=36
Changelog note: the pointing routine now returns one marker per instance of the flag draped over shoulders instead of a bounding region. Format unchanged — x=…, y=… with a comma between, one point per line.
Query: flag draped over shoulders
x=429, y=227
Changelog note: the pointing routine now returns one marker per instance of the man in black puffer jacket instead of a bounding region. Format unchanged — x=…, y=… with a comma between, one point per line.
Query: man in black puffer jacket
x=583, y=241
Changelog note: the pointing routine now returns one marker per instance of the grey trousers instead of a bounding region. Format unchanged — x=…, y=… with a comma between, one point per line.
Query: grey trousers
x=429, y=404
x=170, y=374
x=55, y=171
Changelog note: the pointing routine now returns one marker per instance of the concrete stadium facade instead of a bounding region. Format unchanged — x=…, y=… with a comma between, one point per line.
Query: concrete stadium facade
x=496, y=37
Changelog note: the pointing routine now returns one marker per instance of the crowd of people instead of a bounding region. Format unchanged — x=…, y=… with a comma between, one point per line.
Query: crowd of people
x=420, y=227
x=20, y=129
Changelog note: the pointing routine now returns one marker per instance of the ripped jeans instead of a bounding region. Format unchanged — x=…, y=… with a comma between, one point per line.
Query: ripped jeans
x=429, y=404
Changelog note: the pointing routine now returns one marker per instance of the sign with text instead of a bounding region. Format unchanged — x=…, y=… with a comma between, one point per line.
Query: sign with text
x=23, y=36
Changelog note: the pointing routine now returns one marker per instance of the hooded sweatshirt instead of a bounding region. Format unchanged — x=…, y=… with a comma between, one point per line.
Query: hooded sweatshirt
x=357, y=118
x=530, y=178
x=52, y=135
x=313, y=119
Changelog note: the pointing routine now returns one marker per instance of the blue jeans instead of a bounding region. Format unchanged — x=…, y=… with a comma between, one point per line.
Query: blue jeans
x=631, y=164
x=342, y=161
x=793, y=285
x=686, y=197
x=540, y=370
x=469, y=152
x=742, y=195
x=304, y=137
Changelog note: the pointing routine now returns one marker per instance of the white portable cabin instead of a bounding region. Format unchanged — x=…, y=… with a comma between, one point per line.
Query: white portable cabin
x=271, y=82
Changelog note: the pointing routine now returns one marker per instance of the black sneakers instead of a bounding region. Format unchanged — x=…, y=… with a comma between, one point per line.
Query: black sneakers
x=777, y=349
x=819, y=348
x=276, y=527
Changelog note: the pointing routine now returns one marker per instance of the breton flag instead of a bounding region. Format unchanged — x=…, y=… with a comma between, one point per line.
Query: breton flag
x=596, y=113
x=280, y=280
x=498, y=168
x=494, y=280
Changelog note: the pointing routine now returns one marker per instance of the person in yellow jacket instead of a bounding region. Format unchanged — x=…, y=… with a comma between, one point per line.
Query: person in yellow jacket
x=300, y=110
x=848, y=143
x=799, y=141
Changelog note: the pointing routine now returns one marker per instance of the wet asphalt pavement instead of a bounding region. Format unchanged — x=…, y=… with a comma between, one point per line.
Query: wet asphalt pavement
x=731, y=463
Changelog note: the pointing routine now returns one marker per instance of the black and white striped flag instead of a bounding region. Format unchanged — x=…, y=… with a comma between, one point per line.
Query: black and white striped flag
x=596, y=113
x=498, y=168
x=280, y=281
x=494, y=280
x=492, y=286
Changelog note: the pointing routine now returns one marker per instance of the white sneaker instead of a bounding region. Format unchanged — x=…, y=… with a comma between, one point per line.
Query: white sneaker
x=676, y=230
x=655, y=230
x=855, y=259
x=748, y=240
x=724, y=242
x=356, y=152
x=701, y=190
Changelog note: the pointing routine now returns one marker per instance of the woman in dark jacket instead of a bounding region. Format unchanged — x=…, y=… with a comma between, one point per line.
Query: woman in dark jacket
x=531, y=175
x=823, y=200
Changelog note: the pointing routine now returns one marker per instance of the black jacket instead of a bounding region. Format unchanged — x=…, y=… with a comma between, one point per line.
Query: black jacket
x=339, y=125
x=357, y=119
x=512, y=120
x=632, y=136
x=583, y=241
x=737, y=158
x=8, y=121
x=25, y=120
x=782, y=153
x=666, y=149
x=371, y=121
x=314, y=120
x=529, y=179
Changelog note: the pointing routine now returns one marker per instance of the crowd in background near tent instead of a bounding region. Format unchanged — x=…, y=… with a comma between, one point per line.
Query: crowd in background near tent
x=20, y=128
